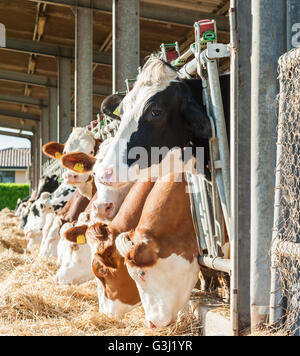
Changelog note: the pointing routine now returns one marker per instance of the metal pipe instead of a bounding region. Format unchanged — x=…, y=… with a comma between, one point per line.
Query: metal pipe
x=217, y=263
x=268, y=44
x=218, y=112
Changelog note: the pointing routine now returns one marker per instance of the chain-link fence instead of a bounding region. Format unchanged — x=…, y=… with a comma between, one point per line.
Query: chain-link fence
x=285, y=289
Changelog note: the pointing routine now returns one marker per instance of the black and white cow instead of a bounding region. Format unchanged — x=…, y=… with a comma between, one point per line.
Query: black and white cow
x=160, y=111
x=46, y=184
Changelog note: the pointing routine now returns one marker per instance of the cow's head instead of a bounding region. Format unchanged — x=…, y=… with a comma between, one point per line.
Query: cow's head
x=164, y=280
x=36, y=217
x=109, y=199
x=160, y=112
x=81, y=139
x=76, y=257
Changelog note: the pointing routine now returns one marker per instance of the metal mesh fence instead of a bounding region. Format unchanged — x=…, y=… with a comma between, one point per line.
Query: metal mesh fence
x=286, y=234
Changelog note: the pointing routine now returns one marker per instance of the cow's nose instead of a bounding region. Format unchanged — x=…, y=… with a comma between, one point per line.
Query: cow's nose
x=151, y=325
x=103, y=210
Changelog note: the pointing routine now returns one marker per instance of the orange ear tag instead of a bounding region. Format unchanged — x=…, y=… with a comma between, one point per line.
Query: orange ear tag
x=78, y=167
x=81, y=240
x=57, y=155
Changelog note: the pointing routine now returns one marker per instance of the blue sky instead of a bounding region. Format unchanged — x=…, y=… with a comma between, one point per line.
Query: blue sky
x=9, y=141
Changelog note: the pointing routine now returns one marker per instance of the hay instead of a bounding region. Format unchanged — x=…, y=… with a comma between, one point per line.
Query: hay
x=32, y=304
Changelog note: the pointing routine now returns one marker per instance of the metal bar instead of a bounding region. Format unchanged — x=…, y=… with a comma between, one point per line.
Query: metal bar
x=53, y=50
x=268, y=43
x=218, y=113
x=217, y=263
x=151, y=12
x=126, y=42
x=45, y=129
x=240, y=148
x=64, y=99
x=83, y=66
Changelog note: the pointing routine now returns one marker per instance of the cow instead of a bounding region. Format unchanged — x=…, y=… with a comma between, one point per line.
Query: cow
x=47, y=184
x=160, y=111
x=161, y=254
x=117, y=293
x=54, y=222
x=38, y=211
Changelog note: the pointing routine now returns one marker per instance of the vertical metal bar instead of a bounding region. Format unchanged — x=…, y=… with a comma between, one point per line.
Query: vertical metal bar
x=126, y=41
x=52, y=114
x=240, y=152
x=218, y=112
x=83, y=66
x=64, y=98
x=268, y=43
x=45, y=129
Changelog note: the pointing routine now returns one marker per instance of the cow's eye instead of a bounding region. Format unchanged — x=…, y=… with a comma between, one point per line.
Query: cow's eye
x=142, y=274
x=155, y=112
x=42, y=206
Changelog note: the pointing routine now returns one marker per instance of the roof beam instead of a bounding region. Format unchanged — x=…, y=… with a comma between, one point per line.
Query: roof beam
x=152, y=12
x=15, y=134
x=19, y=115
x=22, y=99
x=43, y=81
x=51, y=50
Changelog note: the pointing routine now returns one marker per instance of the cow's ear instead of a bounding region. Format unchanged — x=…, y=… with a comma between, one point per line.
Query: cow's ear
x=196, y=120
x=100, y=231
x=76, y=234
x=78, y=162
x=53, y=149
x=143, y=255
x=106, y=259
x=110, y=106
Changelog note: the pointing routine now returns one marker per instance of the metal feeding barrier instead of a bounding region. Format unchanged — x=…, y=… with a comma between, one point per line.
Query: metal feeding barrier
x=209, y=200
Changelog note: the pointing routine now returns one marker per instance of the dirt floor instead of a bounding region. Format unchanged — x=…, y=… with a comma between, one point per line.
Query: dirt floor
x=32, y=304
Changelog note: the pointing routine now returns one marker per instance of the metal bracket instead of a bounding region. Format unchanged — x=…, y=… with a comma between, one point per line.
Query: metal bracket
x=217, y=50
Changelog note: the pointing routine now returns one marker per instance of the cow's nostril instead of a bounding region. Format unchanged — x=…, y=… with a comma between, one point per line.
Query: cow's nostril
x=109, y=207
x=151, y=325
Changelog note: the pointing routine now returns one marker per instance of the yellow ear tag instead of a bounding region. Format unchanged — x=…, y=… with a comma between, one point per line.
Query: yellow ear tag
x=78, y=167
x=57, y=155
x=81, y=240
x=116, y=112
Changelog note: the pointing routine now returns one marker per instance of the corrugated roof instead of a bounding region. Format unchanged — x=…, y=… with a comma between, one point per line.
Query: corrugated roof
x=14, y=158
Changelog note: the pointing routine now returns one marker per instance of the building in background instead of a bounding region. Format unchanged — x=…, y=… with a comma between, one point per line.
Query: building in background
x=14, y=165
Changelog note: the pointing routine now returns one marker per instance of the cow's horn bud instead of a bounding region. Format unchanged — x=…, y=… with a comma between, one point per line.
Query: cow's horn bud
x=123, y=244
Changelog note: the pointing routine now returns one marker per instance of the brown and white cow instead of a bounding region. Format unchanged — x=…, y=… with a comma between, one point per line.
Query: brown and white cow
x=162, y=254
x=117, y=292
